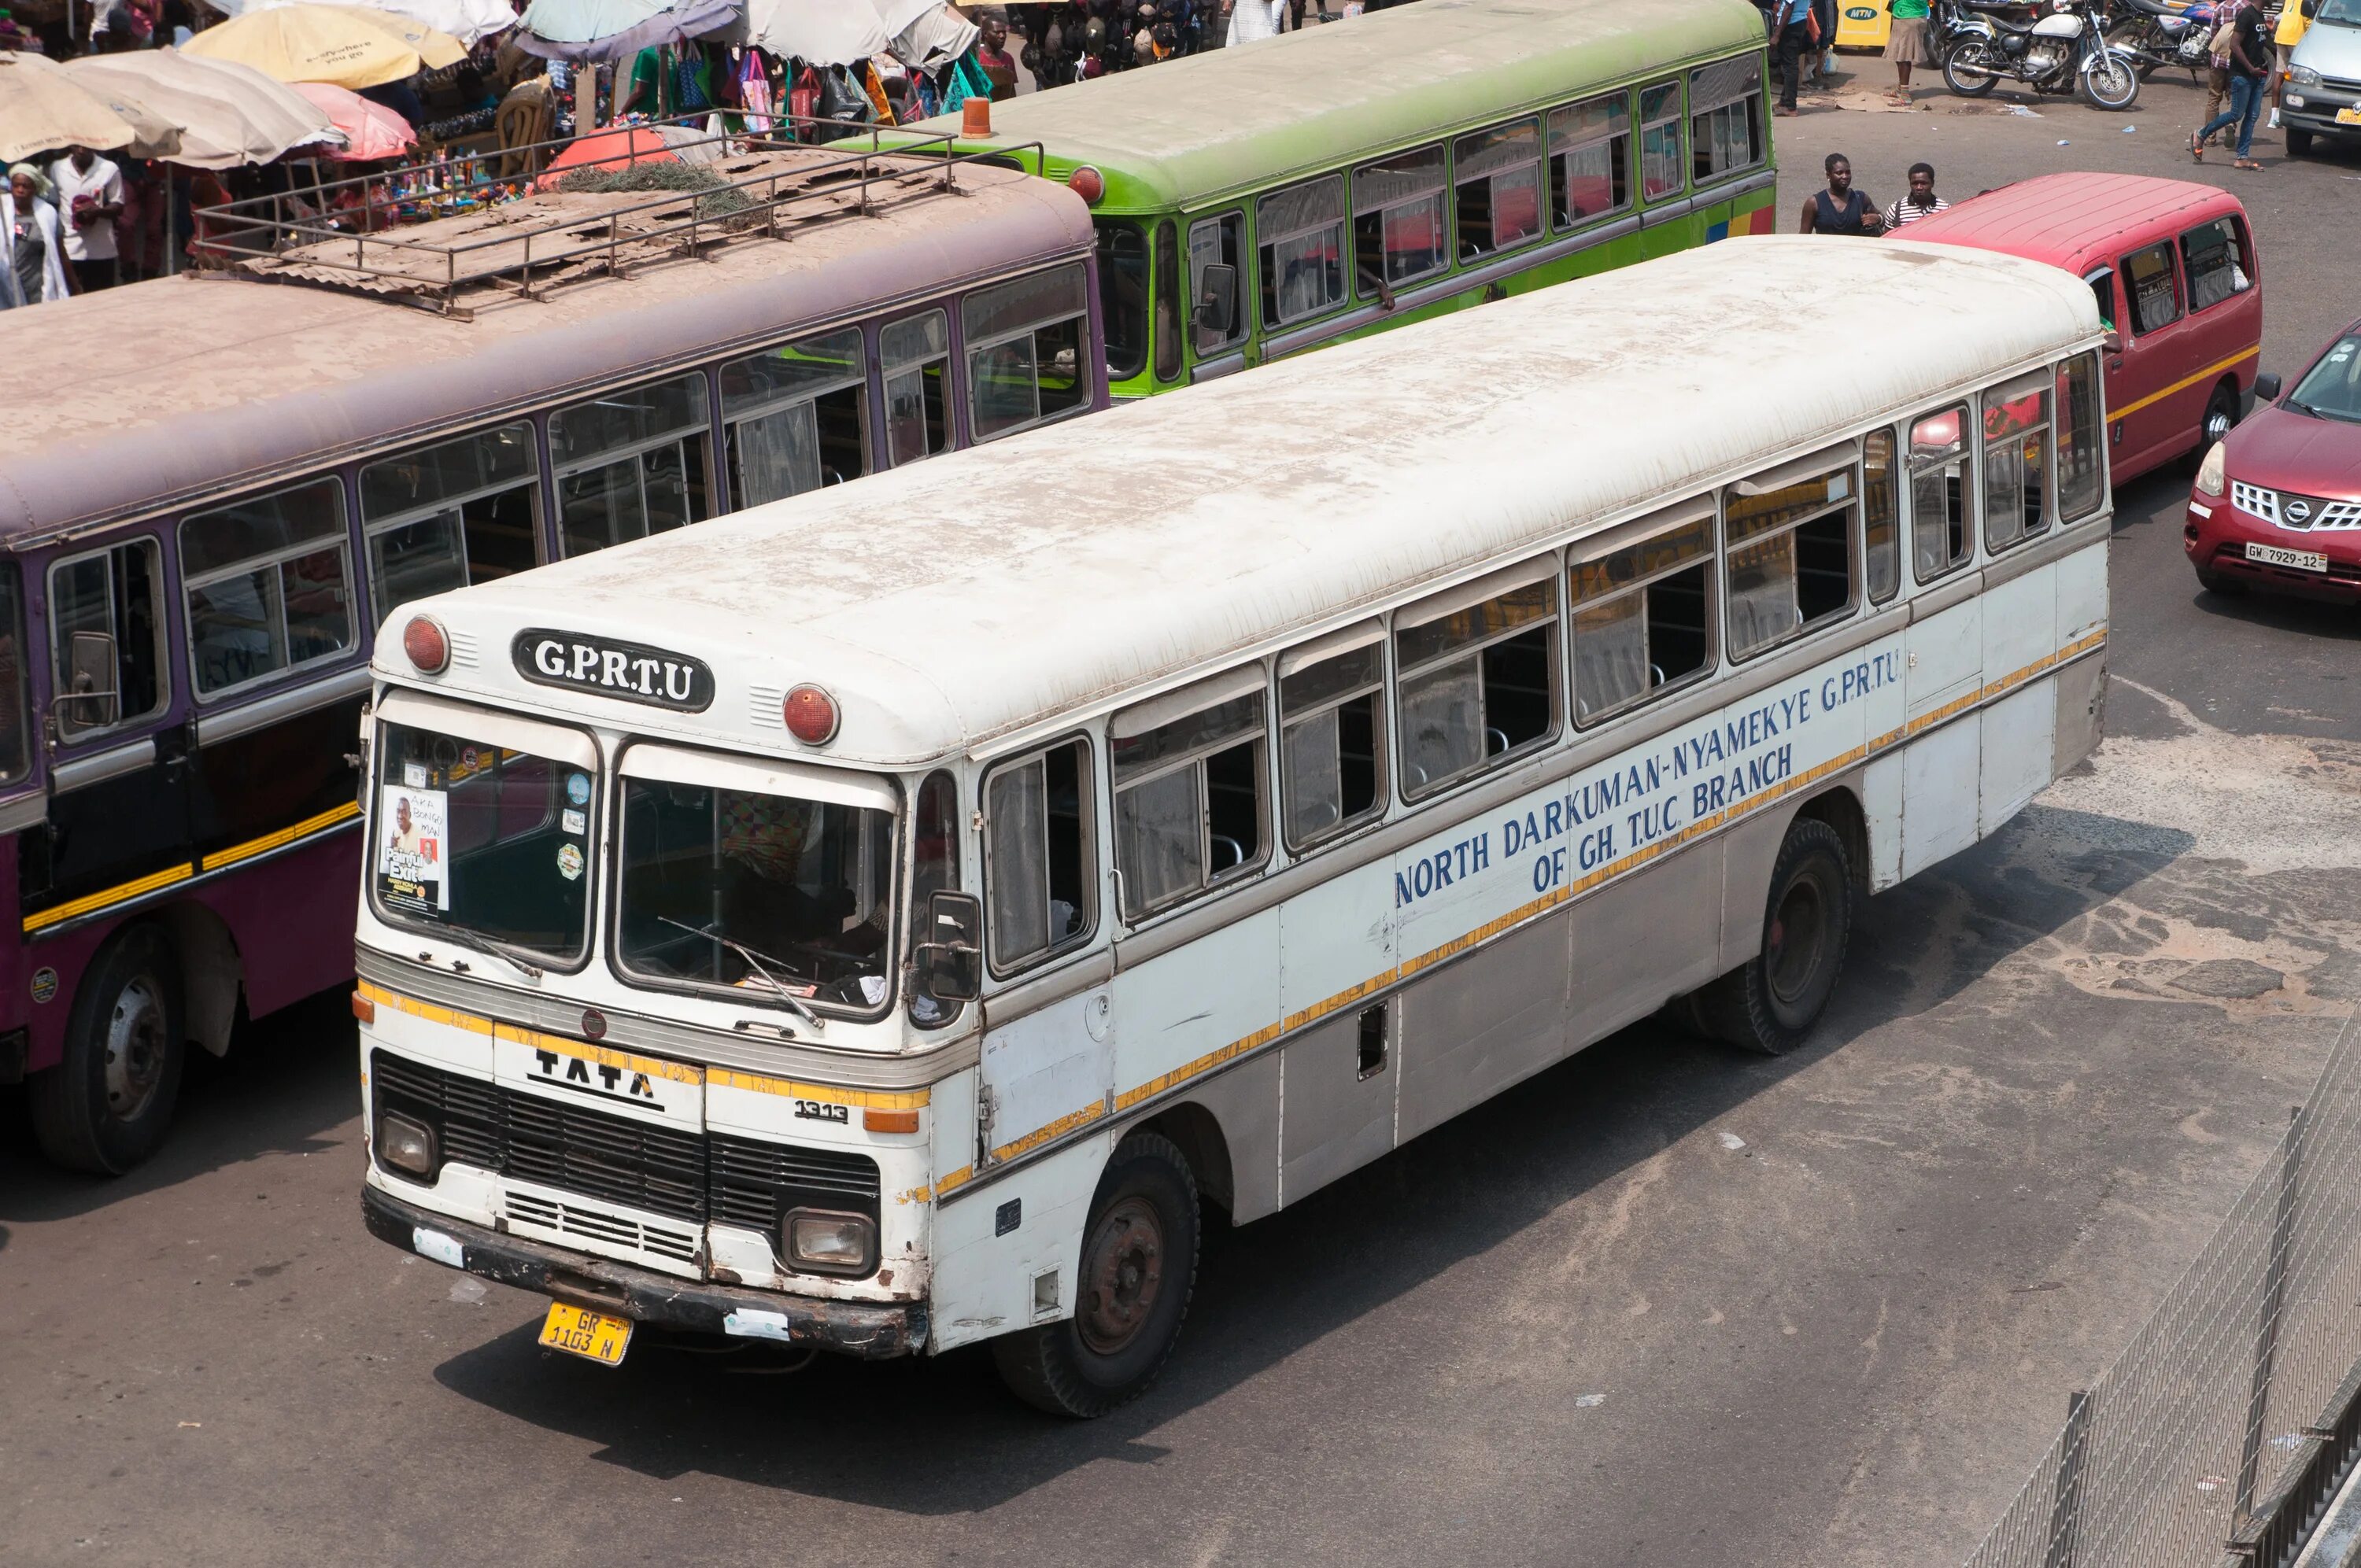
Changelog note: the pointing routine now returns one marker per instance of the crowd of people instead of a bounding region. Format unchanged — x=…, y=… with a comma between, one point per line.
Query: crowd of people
x=2250, y=58
x=1844, y=209
x=57, y=228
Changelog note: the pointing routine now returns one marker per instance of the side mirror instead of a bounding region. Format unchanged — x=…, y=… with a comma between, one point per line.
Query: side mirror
x=950, y=948
x=2113, y=343
x=1217, y=299
x=91, y=701
x=2267, y=388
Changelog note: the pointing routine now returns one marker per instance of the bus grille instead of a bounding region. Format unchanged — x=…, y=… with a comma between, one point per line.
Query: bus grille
x=572, y=1148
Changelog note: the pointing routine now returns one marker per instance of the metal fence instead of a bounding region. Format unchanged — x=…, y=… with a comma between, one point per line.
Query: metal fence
x=2215, y=1437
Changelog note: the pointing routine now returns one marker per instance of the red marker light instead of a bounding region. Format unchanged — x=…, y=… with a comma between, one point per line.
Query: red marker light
x=423, y=642
x=810, y=716
x=1088, y=184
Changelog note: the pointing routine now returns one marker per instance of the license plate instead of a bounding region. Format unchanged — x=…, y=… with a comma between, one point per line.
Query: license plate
x=578, y=1331
x=2351, y=116
x=2301, y=560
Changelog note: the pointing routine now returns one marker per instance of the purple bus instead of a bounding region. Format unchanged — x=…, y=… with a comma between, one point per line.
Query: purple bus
x=213, y=489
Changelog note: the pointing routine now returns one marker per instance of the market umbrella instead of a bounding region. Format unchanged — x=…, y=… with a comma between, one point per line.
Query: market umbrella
x=608, y=30
x=467, y=20
x=43, y=108
x=350, y=46
x=615, y=149
x=228, y=113
x=833, y=32
x=371, y=130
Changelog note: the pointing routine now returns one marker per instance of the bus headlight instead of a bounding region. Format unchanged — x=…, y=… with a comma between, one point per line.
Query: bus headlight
x=406, y=1145
x=827, y=1241
x=2213, y=474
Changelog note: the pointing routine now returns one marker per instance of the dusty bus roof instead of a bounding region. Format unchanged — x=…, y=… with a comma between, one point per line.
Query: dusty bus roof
x=970, y=599
x=1206, y=126
x=126, y=399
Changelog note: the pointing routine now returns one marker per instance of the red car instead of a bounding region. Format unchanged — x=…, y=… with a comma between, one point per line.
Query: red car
x=2277, y=503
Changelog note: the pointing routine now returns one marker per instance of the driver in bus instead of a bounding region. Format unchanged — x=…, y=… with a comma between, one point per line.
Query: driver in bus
x=768, y=902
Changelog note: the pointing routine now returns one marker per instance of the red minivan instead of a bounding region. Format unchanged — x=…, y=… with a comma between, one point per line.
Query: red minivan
x=2179, y=283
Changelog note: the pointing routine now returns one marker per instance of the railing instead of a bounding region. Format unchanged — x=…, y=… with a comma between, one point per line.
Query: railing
x=278, y=227
x=2218, y=1434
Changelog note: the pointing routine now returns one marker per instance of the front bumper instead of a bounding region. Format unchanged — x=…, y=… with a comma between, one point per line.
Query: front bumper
x=871, y=1331
x=2314, y=109
x=2214, y=537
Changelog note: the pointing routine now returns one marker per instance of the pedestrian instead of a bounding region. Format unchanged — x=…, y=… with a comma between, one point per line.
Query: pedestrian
x=1796, y=30
x=1921, y=202
x=31, y=247
x=2293, y=20
x=1905, y=45
x=89, y=198
x=1840, y=209
x=2250, y=66
x=992, y=55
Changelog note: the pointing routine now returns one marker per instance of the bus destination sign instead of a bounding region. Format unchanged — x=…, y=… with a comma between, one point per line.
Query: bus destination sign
x=631, y=671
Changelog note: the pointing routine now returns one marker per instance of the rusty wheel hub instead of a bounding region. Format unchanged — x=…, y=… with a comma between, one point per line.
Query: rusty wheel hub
x=1123, y=1273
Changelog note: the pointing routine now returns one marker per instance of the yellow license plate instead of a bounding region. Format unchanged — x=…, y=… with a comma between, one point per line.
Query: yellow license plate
x=2349, y=117
x=578, y=1331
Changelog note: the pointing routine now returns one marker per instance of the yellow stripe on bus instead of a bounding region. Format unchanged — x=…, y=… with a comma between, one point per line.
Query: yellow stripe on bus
x=120, y=894
x=2182, y=385
x=125, y=892
x=335, y=814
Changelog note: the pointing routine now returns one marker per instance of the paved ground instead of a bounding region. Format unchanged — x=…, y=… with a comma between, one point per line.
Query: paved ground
x=1658, y=1306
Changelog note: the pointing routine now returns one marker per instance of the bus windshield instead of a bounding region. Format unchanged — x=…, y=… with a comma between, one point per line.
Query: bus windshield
x=736, y=878
x=483, y=839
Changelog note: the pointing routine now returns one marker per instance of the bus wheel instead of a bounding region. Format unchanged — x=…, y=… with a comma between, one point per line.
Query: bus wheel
x=1769, y=1003
x=105, y=1106
x=1139, y=1264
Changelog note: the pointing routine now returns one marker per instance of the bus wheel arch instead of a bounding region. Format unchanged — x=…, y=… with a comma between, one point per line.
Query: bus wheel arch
x=104, y=1107
x=1770, y=1003
x=211, y=978
x=1196, y=1132
x=1841, y=808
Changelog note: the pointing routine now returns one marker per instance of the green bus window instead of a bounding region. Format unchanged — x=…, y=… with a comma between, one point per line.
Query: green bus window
x=1398, y=221
x=912, y=355
x=1590, y=159
x=630, y=462
x=1660, y=141
x=461, y=511
x=1025, y=352
x=1299, y=236
x=1167, y=301
x=1726, y=116
x=1215, y=242
x=1497, y=178
x=1881, y=515
x=1122, y=296
x=795, y=417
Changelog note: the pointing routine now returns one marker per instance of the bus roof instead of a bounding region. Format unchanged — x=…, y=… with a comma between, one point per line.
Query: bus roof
x=1206, y=126
x=2075, y=220
x=129, y=399
x=964, y=603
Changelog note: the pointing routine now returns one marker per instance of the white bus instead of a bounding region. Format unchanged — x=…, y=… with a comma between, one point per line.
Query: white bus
x=880, y=921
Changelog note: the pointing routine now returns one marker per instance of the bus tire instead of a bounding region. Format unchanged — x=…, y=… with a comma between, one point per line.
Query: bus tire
x=1769, y=1003
x=105, y=1108
x=1138, y=1268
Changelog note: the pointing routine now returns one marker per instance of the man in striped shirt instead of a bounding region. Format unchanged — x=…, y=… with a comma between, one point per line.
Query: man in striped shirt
x=1921, y=202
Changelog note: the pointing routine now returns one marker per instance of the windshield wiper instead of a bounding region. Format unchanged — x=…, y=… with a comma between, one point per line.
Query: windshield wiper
x=513, y=957
x=795, y=1004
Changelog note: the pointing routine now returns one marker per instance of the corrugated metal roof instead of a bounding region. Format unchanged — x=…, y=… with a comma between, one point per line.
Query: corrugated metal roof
x=984, y=592
x=2074, y=221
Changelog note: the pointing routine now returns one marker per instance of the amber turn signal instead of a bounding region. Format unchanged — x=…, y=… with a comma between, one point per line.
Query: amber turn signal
x=364, y=1008
x=889, y=1121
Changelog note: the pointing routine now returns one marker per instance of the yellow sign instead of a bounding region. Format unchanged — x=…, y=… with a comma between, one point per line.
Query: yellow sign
x=578, y=1331
x=1861, y=25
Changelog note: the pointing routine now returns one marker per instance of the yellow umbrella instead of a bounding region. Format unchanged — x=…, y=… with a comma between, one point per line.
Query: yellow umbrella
x=42, y=109
x=347, y=45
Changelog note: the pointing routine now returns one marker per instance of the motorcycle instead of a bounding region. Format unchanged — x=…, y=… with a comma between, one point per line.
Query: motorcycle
x=2064, y=51
x=2157, y=36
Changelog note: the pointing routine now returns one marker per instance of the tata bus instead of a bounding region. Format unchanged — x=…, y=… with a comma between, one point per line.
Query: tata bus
x=212, y=488
x=894, y=919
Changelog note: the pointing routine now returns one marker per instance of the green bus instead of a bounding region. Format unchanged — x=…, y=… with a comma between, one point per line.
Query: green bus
x=1339, y=181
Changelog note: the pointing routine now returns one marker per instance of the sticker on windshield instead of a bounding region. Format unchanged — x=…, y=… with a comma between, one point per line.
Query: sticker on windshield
x=573, y=821
x=569, y=861
x=578, y=788
x=415, y=774
x=412, y=873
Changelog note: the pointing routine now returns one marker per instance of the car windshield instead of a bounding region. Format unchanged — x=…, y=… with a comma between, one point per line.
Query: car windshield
x=2332, y=387
x=480, y=840
x=2346, y=11
x=752, y=890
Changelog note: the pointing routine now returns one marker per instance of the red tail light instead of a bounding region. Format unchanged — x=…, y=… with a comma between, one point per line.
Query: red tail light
x=810, y=716
x=428, y=649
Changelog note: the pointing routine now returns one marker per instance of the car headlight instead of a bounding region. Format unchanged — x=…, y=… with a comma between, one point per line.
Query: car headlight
x=2303, y=76
x=2212, y=475
x=406, y=1145
x=827, y=1241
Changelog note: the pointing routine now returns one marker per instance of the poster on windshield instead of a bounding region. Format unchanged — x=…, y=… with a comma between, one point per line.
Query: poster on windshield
x=411, y=875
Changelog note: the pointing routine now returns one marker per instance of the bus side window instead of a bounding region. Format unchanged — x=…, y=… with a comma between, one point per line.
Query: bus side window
x=630, y=462
x=268, y=582
x=2215, y=256
x=1190, y=791
x=1940, y=487
x=1641, y=612
x=1477, y=670
x=1880, y=511
x=934, y=868
x=1788, y=536
x=1024, y=364
x=2016, y=460
x=1300, y=241
x=795, y=417
x=1662, y=168
x=458, y=512
x=1497, y=188
x=107, y=628
x=2082, y=479
x=1040, y=877
x=2103, y=289
x=913, y=354
x=1398, y=224
x=1332, y=734
x=1167, y=301
x=1590, y=159
x=1726, y=116
x=15, y=737
x=1216, y=242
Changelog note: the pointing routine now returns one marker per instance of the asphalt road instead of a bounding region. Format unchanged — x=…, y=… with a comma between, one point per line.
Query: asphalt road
x=1660, y=1305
